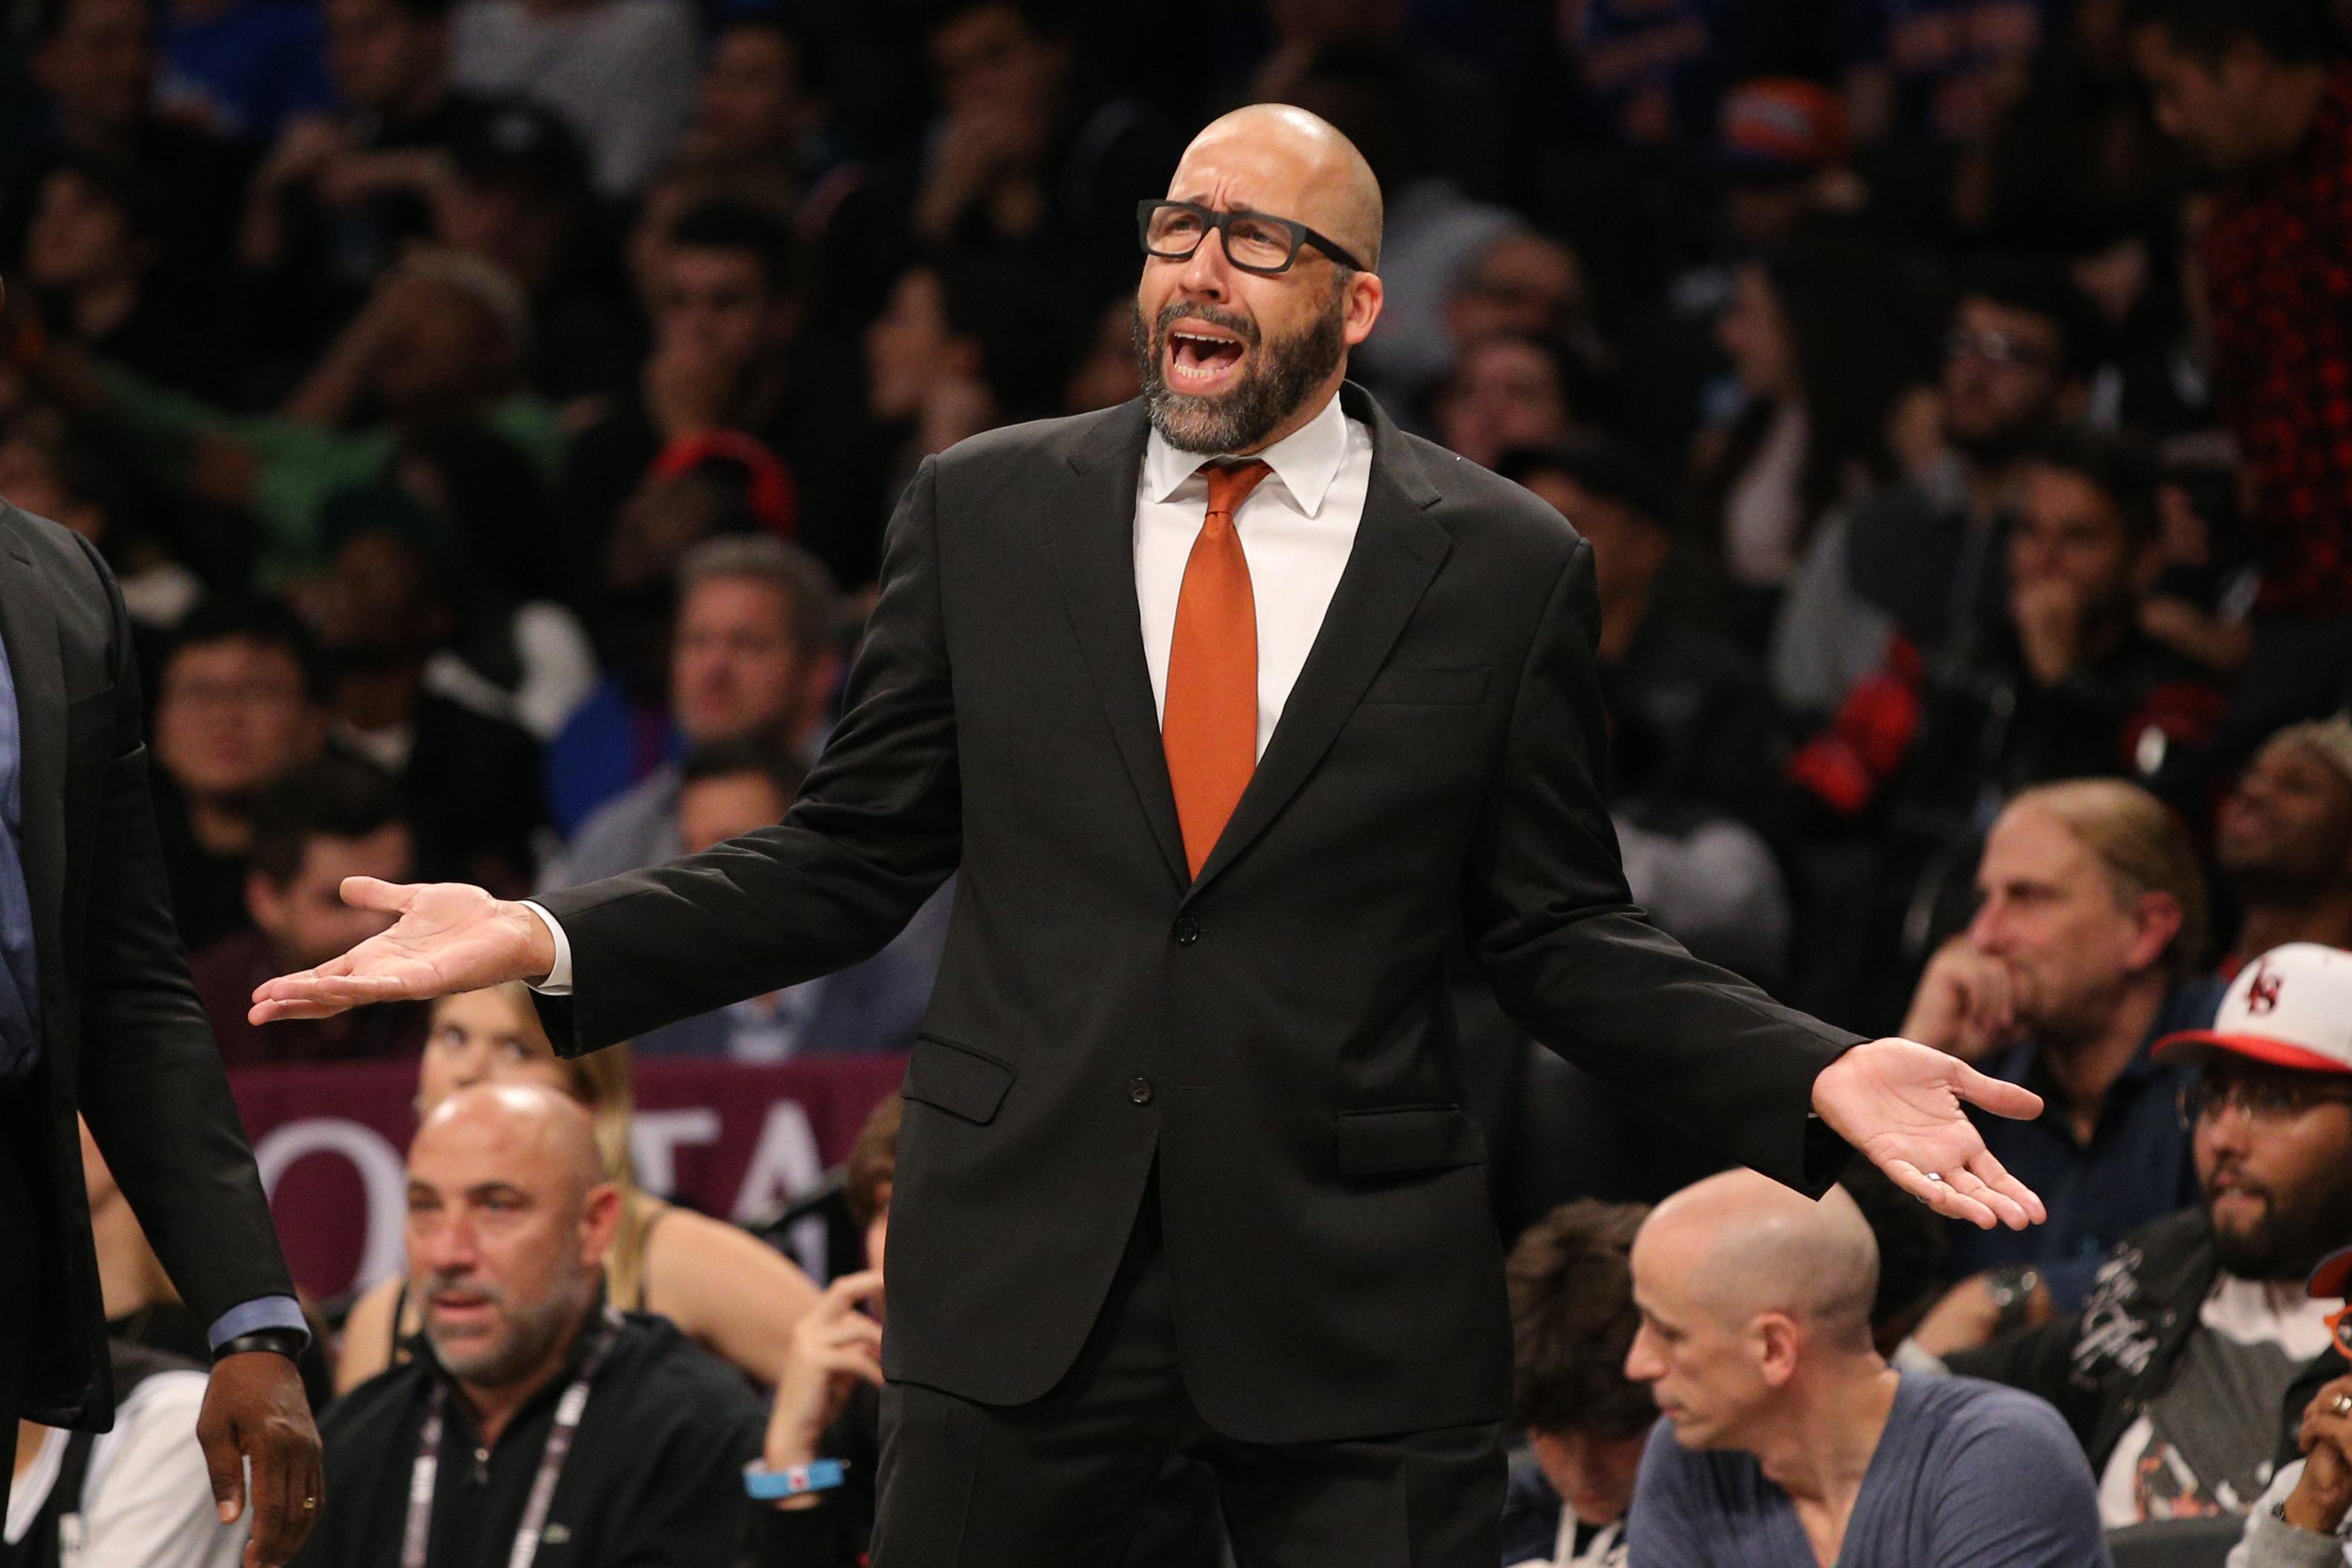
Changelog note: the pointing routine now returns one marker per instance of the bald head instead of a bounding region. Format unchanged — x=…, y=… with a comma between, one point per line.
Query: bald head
x=1740, y=1244
x=540, y=1135
x=1294, y=155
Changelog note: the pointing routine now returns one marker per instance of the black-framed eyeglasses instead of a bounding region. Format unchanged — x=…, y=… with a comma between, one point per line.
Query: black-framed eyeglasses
x=1254, y=242
x=2262, y=1100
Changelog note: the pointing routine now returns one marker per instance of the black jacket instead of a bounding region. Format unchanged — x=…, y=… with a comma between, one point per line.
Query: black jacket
x=1276, y=1035
x=2103, y=1365
x=123, y=1037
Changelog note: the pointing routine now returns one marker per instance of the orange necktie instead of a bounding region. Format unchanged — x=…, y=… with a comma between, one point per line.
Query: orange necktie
x=1208, y=723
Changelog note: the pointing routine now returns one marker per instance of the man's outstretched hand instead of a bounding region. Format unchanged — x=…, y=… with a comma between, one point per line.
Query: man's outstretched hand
x=1899, y=1102
x=449, y=937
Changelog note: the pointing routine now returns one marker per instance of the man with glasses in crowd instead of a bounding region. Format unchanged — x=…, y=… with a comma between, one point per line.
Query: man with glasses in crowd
x=2173, y=1373
x=1231, y=707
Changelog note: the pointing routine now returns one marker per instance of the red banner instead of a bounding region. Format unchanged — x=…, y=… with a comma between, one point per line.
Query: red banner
x=729, y=1139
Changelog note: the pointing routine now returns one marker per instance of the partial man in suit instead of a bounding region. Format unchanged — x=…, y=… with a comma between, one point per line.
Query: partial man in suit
x=98, y=1014
x=1232, y=708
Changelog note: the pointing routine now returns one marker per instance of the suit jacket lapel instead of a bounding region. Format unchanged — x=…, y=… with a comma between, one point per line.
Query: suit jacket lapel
x=1093, y=547
x=1397, y=553
x=28, y=624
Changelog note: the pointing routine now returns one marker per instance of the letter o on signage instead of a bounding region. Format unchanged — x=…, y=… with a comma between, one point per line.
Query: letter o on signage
x=382, y=1174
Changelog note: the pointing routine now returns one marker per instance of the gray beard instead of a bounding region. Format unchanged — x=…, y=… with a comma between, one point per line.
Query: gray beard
x=1268, y=393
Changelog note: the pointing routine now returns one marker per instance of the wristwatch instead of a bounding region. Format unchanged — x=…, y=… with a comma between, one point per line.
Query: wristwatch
x=2013, y=1287
x=287, y=1342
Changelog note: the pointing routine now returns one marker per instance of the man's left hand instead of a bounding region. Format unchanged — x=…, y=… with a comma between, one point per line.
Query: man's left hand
x=1900, y=1102
x=254, y=1410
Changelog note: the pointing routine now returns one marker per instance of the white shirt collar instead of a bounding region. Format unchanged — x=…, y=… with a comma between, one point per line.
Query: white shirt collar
x=1304, y=462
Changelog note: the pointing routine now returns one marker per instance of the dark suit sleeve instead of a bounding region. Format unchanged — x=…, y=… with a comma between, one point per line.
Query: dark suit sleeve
x=876, y=829
x=1569, y=954
x=152, y=1085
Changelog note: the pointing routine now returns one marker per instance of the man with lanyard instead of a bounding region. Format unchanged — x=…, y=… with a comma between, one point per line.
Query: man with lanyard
x=532, y=1415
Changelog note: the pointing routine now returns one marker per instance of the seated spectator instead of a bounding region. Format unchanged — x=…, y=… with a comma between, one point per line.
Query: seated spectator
x=469, y=772
x=94, y=62
x=340, y=194
x=755, y=651
x=136, y=1496
x=828, y=1405
x=1785, y=149
x=2086, y=950
x=1923, y=560
x=729, y=789
x=327, y=820
x=527, y=1366
x=760, y=100
x=1025, y=164
x=1790, y=1442
x=1937, y=72
x=1821, y=350
x=728, y=357
x=2282, y=841
x=621, y=74
x=1105, y=374
x=725, y=1289
x=438, y=345
x=1502, y=395
x=517, y=196
x=241, y=69
x=2173, y=1373
x=48, y=470
x=963, y=346
x=1696, y=742
x=1573, y=1322
x=240, y=701
x=90, y=254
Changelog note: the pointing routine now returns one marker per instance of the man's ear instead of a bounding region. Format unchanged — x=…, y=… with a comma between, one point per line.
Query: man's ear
x=2159, y=920
x=600, y=1223
x=265, y=902
x=1777, y=1339
x=1362, y=308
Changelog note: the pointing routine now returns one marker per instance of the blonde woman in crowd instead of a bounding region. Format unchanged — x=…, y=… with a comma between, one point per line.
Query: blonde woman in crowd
x=736, y=1295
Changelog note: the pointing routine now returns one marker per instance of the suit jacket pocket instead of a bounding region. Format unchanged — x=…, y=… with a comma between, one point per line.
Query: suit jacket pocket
x=1415, y=1138
x=1429, y=688
x=957, y=1078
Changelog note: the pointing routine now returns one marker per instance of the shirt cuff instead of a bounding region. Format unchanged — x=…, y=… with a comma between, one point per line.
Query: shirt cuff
x=261, y=1313
x=559, y=979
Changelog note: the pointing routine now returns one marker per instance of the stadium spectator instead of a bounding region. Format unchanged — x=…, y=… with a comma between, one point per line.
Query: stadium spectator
x=2255, y=91
x=2087, y=948
x=2173, y=1372
x=49, y=470
x=728, y=788
x=756, y=651
x=1022, y=162
x=2282, y=841
x=94, y=63
x=327, y=820
x=89, y=257
x=726, y=1289
x=1923, y=559
x=525, y=1365
x=467, y=771
x=1504, y=392
x=621, y=73
x=137, y=1495
x=240, y=701
x=1939, y=70
x=1789, y=1441
x=963, y=346
x=1785, y=148
x=1573, y=1322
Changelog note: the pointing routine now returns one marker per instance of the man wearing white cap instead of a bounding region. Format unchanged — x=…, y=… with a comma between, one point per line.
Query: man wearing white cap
x=2174, y=1373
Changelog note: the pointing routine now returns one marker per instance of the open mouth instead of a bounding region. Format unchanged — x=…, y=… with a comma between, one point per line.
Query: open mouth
x=1202, y=358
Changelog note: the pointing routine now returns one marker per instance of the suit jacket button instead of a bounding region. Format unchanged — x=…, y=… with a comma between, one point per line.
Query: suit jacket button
x=1139, y=1091
x=1188, y=931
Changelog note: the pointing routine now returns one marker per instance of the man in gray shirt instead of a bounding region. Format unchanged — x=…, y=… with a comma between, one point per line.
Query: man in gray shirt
x=1789, y=1443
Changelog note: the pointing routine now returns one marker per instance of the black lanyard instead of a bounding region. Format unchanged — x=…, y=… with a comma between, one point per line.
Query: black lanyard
x=417, y=1534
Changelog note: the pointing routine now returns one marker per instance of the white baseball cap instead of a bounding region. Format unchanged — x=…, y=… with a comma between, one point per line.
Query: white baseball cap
x=2292, y=1006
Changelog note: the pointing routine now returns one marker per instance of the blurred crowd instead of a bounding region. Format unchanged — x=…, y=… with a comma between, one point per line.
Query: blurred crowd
x=491, y=410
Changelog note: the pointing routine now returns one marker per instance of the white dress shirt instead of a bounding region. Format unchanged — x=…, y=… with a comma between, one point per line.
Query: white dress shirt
x=1298, y=528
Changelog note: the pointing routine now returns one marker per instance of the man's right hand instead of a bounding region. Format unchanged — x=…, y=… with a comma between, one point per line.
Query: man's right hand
x=449, y=937
x=1966, y=1004
x=2321, y=1498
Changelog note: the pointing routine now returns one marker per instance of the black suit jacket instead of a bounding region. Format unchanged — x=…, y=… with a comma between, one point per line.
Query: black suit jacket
x=123, y=1037
x=1276, y=1034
